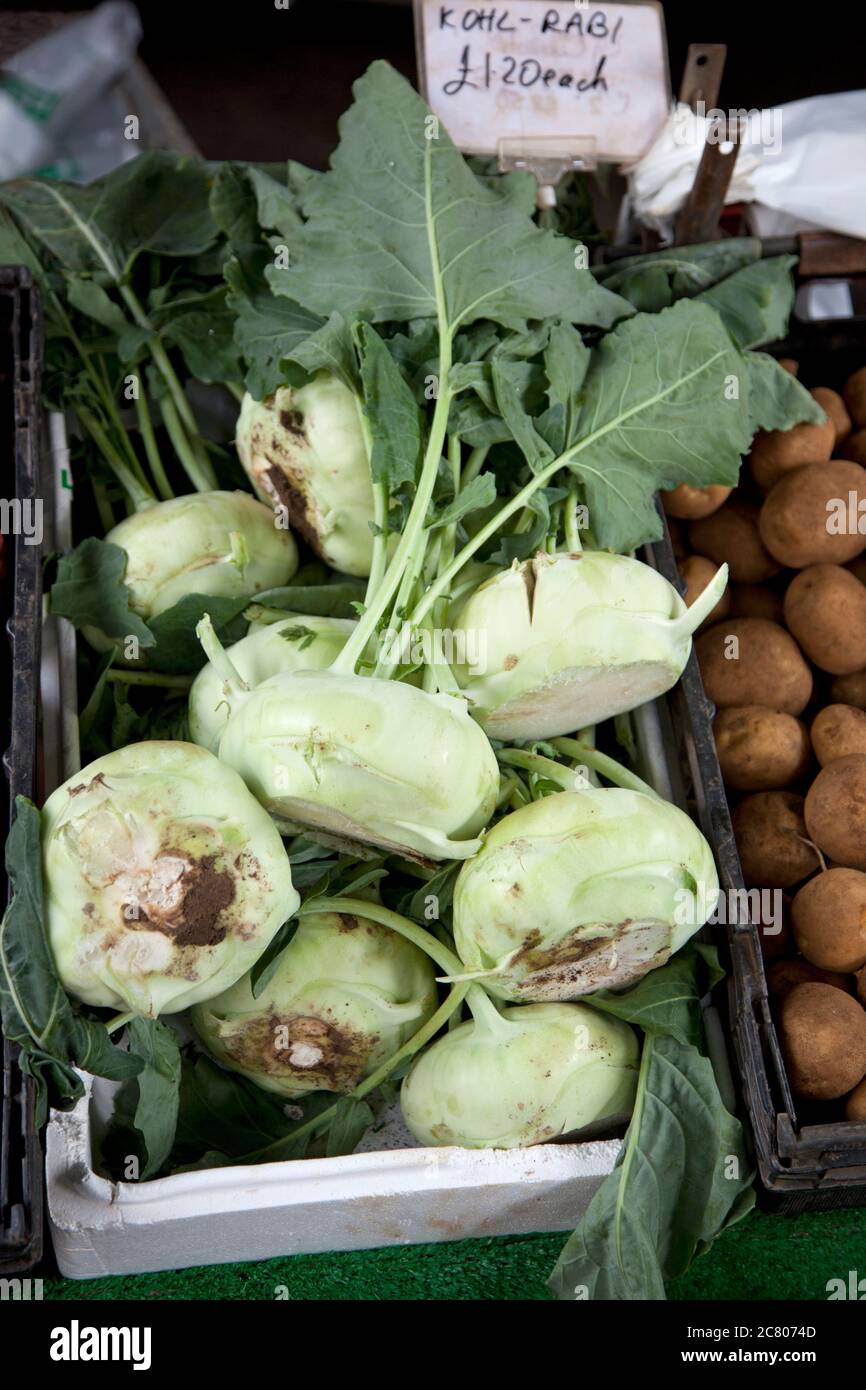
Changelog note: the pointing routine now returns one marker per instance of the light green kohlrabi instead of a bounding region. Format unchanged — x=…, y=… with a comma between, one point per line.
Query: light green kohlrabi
x=364, y=759
x=345, y=994
x=297, y=643
x=305, y=449
x=164, y=878
x=528, y=1075
x=224, y=544
x=581, y=891
x=561, y=642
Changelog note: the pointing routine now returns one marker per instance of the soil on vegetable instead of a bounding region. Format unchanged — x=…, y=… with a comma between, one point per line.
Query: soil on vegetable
x=323, y=1055
x=207, y=892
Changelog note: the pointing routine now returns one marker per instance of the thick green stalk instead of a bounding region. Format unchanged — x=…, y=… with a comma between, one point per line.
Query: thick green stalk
x=203, y=479
x=154, y=678
x=358, y=907
x=151, y=448
x=564, y=777
x=380, y=510
x=413, y=538
x=608, y=767
x=139, y=495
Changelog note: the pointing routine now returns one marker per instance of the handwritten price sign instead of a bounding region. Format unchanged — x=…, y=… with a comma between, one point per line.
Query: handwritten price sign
x=531, y=70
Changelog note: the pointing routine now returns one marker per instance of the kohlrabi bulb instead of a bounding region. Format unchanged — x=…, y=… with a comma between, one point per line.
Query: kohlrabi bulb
x=522, y=1077
x=560, y=642
x=221, y=543
x=345, y=995
x=296, y=643
x=365, y=759
x=305, y=449
x=581, y=891
x=164, y=878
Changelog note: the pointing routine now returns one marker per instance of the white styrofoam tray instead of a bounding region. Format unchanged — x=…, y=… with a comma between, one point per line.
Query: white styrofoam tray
x=390, y=1192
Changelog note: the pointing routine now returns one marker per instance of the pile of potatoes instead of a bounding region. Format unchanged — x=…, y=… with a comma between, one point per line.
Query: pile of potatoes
x=783, y=659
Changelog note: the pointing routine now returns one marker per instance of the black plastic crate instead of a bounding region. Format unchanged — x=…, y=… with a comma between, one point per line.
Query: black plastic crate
x=21, y=1171
x=802, y=1165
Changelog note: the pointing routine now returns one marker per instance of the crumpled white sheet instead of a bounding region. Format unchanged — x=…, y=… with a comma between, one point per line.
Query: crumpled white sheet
x=800, y=166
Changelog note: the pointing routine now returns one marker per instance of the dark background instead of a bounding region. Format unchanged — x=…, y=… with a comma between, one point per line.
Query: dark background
x=253, y=82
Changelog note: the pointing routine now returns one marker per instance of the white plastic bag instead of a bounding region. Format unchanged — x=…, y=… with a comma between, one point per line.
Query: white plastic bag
x=800, y=166
x=57, y=112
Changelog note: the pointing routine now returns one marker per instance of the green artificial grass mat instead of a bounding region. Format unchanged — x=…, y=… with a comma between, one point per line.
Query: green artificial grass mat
x=764, y=1258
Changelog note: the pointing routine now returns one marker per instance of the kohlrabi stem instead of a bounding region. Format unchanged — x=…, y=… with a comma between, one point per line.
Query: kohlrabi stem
x=428, y=1030
x=414, y=534
x=608, y=767
x=380, y=510
x=358, y=907
x=690, y=621
x=103, y=506
x=235, y=389
x=572, y=530
x=219, y=658
x=487, y=1017
x=474, y=464
x=202, y=478
x=154, y=678
x=119, y=1021
x=139, y=495
x=565, y=777
x=151, y=448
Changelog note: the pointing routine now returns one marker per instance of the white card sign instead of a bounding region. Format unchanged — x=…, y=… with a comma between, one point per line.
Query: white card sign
x=532, y=71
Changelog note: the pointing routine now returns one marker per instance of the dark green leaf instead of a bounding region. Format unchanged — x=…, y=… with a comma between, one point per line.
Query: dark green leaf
x=393, y=417
x=400, y=222
x=348, y=1127
x=479, y=493
x=777, y=400
x=656, y=280
x=755, y=303
x=90, y=592
x=178, y=650
x=158, y=1089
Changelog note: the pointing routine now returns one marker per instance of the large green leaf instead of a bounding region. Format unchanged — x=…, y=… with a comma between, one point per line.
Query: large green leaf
x=755, y=302
x=400, y=228
x=684, y=1173
x=268, y=328
x=158, y=1086
x=665, y=402
x=157, y=202
x=777, y=400
x=656, y=280
x=393, y=417
x=90, y=592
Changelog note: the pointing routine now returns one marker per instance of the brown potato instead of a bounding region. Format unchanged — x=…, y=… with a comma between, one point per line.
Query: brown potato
x=775, y=452
x=823, y=1037
x=807, y=518
x=838, y=730
x=855, y=1105
x=730, y=536
x=785, y=975
x=771, y=839
x=697, y=573
x=825, y=610
x=854, y=448
x=689, y=502
x=857, y=567
x=790, y=364
x=760, y=749
x=850, y=690
x=749, y=661
x=829, y=920
x=756, y=601
x=854, y=392
x=861, y=985
x=833, y=407
x=835, y=811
